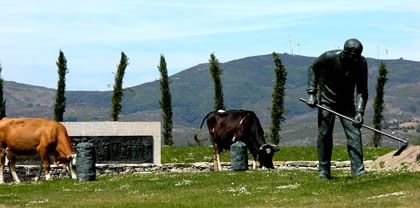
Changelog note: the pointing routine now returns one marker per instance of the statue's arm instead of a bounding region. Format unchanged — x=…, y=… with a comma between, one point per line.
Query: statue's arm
x=362, y=88
x=313, y=73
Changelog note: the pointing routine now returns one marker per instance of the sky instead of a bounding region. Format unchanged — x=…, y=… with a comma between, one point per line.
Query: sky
x=92, y=34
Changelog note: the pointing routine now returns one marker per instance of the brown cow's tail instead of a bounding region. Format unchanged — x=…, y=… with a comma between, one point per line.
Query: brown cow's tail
x=198, y=140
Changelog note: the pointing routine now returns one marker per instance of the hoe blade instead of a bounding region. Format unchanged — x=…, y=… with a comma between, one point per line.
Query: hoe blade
x=402, y=148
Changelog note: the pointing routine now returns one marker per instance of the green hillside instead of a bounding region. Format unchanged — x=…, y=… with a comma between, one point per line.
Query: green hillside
x=247, y=84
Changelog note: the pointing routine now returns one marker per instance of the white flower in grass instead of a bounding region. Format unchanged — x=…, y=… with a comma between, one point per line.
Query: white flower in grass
x=36, y=202
x=239, y=190
x=387, y=195
x=291, y=186
x=184, y=183
x=243, y=190
x=125, y=186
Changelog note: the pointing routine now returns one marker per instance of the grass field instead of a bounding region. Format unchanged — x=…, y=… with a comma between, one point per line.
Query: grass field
x=263, y=188
x=280, y=188
x=191, y=154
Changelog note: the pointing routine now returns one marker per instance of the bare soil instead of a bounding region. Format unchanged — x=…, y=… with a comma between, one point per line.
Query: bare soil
x=408, y=159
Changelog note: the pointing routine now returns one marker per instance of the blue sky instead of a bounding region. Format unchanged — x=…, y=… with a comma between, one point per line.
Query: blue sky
x=93, y=33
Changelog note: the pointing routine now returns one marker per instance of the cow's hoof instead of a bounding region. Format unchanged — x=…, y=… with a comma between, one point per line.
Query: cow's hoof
x=48, y=177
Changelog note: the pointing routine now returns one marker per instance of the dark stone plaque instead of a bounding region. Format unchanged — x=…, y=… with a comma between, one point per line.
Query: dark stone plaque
x=120, y=149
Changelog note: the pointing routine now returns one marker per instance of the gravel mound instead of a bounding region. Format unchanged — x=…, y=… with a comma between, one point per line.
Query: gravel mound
x=407, y=160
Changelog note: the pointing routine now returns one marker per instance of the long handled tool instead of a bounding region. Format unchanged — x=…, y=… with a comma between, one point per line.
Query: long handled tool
x=398, y=152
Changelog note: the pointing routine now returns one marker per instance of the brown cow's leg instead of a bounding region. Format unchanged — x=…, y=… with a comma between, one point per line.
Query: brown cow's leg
x=12, y=162
x=1, y=173
x=2, y=161
x=47, y=168
x=45, y=164
x=38, y=173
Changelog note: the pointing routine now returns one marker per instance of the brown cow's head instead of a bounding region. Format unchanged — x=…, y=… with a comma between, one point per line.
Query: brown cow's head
x=69, y=164
x=265, y=155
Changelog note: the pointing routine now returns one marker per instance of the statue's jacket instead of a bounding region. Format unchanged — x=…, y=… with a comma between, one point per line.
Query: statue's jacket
x=335, y=81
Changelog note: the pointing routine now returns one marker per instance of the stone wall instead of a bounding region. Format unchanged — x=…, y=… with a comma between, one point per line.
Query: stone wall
x=119, y=142
x=28, y=172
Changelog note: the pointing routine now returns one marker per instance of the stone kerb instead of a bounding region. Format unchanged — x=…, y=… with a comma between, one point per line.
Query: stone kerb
x=118, y=129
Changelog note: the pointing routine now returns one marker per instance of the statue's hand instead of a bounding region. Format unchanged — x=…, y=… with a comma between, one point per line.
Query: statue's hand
x=358, y=120
x=311, y=101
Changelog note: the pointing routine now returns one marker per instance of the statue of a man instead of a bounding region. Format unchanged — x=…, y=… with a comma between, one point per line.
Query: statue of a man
x=332, y=81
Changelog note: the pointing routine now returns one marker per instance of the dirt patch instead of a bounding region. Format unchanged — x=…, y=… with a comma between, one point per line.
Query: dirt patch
x=4, y=206
x=409, y=159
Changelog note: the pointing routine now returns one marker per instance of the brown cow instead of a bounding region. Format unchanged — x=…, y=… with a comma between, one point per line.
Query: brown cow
x=226, y=127
x=31, y=137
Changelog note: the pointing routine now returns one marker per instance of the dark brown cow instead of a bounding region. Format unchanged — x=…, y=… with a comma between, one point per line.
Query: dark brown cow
x=226, y=127
x=29, y=137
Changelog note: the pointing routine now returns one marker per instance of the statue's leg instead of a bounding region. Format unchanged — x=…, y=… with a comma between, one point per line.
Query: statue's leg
x=325, y=142
x=354, y=147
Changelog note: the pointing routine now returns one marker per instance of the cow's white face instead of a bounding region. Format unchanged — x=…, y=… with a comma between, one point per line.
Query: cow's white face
x=73, y=159
x=71, y=167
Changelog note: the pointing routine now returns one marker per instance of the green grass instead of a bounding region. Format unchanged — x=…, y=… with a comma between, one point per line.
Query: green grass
x=263, y=188
x=279, y=188
x=191, y=154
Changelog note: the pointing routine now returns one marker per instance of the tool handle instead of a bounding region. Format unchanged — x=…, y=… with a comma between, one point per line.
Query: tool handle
x=351, y=119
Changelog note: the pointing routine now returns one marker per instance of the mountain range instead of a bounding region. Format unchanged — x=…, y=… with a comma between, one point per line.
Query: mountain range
x=247, y=84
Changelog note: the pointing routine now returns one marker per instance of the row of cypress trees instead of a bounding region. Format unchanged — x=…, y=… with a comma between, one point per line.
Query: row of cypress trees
x=117, y=97
x=277, y=109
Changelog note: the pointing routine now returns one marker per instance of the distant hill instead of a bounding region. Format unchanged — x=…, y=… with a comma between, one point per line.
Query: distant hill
x=247, y=84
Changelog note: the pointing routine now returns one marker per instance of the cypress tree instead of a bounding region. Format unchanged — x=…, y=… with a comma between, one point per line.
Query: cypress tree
x=378, y=103
x=216, y=72
x=60, y=99
x=2, y=100
x=278, y=99
x=165, y=102
x=117, y=95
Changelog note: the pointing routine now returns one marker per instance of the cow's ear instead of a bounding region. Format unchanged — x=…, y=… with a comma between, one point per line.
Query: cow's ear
x=275, y=148
x=263, y=146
